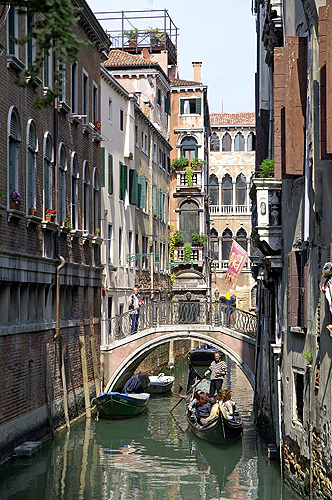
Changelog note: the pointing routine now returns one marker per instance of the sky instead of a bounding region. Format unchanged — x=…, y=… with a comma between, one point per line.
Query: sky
x=220, y=33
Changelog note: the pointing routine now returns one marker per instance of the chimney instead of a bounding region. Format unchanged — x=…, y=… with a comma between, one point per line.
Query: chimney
x=197, y=71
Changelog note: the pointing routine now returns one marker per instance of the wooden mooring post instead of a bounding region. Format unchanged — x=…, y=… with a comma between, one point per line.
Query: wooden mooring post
x=85, y=377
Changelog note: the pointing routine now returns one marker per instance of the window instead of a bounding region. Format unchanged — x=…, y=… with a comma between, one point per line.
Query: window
x=121, y=120
x=164, y=161
x=136, y=136
x=95, y=114
x=109, y=308
x=62, y=184
x=141, y=191
x=214, y=189
x=74, y=88
x=47, y=69
x=167, y=104
x=12, y=31
x=145, y=147
x=226, y=243
x=158, y=96
x=241, y=238
x=146, y=196
x=123, y=181
x=162, y=206
x=102, y=167
x=48, y=188
x=154, y=152
x=156, y=256
x=86, y=188
x=137, y=250
x=120, y=246
x=110, y=174
x=214, y=142
x=32, y=153
x=132, y=187
x=145, y=260
x=14, y=139
x=62, y=95
x=110, y=110
x=251, y=142
x=239, y=142
x=95, y=200
x=297, y=289
x=31, y=43
x=214, y=244
x=130, y=244
x=190, y=106
x=189, y=148
x=74, y=193
x=241, y=190
x=299, y=395
x=160, y=157
x=110, y=243
x=155, y=201
x=189, y=219
x=227, y=190
x=85, y=98
x=226, y=142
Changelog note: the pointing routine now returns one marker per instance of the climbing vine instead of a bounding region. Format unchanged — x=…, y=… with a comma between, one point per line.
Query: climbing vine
x=53, y=29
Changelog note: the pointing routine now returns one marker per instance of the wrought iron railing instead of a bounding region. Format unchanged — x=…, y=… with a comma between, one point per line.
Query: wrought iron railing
x=154, y=314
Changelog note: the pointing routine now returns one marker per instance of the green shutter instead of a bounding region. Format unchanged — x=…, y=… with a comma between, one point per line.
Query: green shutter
x=110, y=174
x=123, y=181
x=102, y=166
x=155, y=200
x=132, y=187
x=198, y=106
x=141, y=191
x=181, y=106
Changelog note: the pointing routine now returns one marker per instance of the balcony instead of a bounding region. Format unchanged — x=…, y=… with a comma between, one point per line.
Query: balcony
x=222, y=265
x=266, y=216
x=196, y=254
x=229, y=210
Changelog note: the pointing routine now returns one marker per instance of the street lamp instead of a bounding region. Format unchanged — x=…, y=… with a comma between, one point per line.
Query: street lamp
x=216, y=294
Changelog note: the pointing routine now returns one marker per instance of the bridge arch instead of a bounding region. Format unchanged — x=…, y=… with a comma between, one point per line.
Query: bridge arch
x=122, y=358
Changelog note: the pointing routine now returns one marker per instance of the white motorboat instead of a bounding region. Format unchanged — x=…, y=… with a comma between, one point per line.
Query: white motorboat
x=160, y=383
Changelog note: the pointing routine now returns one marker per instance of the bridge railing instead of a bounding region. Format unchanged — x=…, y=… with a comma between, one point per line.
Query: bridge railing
x=154, y=314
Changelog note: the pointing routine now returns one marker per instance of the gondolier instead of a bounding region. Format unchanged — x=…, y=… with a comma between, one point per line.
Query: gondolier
x=218, y=369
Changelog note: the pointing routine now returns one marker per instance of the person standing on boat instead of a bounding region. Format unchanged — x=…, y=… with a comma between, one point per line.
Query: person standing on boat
x=218, y=370
x=135, y=303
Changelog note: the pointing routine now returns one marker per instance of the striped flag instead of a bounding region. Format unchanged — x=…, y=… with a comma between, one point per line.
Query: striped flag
x=237, y=258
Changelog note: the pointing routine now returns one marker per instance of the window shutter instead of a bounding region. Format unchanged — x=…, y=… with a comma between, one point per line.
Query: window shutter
x=198, y=106
x=102, y=166
x=181, y=106
x=29, y=43
x=167, y=105
x=13, y=126
x=11, y=23
x=141, y=191
x=12, y=173
x=110, y=174
x=46, y=183
x=46, y=69
x=155, y=200
x=158, y=96
x=297, y=288
x=30, y=178
x=132, y=187
x=123, y=181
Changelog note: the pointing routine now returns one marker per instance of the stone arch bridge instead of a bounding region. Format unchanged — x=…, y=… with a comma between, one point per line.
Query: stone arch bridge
x=231, y=330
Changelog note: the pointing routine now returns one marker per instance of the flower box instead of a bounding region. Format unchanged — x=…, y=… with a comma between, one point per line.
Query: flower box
x=50, y=217
x=31, y=211
x=13, y=205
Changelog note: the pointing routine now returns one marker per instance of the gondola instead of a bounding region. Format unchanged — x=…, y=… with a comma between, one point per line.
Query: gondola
x=202, y=356
x=159, y=384
x=116, y=405
x=221, y=430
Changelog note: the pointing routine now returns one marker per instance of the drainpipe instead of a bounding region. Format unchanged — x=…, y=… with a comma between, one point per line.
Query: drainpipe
x=306, y=169
x=57, y=298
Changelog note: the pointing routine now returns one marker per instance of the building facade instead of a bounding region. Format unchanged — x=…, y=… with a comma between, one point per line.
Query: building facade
x=50, y=276
x=292, y=238
x=232, y=164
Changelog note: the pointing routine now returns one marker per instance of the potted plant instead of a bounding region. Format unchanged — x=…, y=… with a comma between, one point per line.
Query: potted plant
x=196, y=163
x=199, y=239
x=178, y=237
x=15, y=200
x=189, y=175
x=97, y=231
x=187, y=252
x=50, y=214
x=97, y=126
x=132, y=36
x=156, y=37
x=179, y=163
x=32, y=210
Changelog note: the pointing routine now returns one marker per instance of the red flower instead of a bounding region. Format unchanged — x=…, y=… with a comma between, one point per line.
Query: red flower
x=97, y=125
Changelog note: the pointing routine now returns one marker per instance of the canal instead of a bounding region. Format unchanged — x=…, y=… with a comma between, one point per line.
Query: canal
x=152, y=457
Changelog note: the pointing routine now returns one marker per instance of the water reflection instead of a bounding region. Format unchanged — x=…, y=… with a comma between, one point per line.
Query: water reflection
x=151, y=457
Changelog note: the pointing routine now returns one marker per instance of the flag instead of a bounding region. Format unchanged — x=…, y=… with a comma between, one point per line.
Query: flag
x=237, y=258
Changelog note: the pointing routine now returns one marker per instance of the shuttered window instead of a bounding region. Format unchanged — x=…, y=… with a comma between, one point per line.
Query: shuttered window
x=62, y=186
x=155, y=200
x=141, y=191
x=132, y=187
x=297, y=289
x=102, y=166
x=110, y=174
x=12, y=30
x=167, y=105
x=29, y=42
x=159, y=96
x=123, y=181
x=190, y=106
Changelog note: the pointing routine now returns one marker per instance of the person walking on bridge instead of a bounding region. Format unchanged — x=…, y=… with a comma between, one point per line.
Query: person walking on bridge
x=134, y=305
x=218, y=370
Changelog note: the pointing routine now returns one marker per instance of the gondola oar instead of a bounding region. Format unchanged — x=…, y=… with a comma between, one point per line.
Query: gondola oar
x=193, y=387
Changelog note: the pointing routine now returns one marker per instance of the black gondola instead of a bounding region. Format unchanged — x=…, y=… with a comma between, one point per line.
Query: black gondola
x=221, y=430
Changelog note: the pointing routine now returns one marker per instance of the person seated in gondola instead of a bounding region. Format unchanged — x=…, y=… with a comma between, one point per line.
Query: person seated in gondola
x=203, y=406
x=213, y=413
x=228, y=404
x=136, y=385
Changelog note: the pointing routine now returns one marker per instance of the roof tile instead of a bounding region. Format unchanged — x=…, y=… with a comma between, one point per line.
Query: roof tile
x=232, y=119
x=118, y=57
x=176, y=82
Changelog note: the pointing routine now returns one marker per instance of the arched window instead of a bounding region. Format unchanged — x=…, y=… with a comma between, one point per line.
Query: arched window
x=189, y=148
x=14, y=139
x=239, y=142
x=226, y=243
x=62, y=184
x=74, y=193
x=47, y=171
x=31, y=177
x=95, y=199
x=241, y=190
x=226, y=142
x=214, y=142
x=214, y=244
x=189, y=220
x=227, y=190
x=86, y=189
x=214, y=189
x=251, y=142
x=241, y=238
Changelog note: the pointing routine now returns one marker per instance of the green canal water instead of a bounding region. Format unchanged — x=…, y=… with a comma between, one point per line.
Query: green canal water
x=151, y=457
